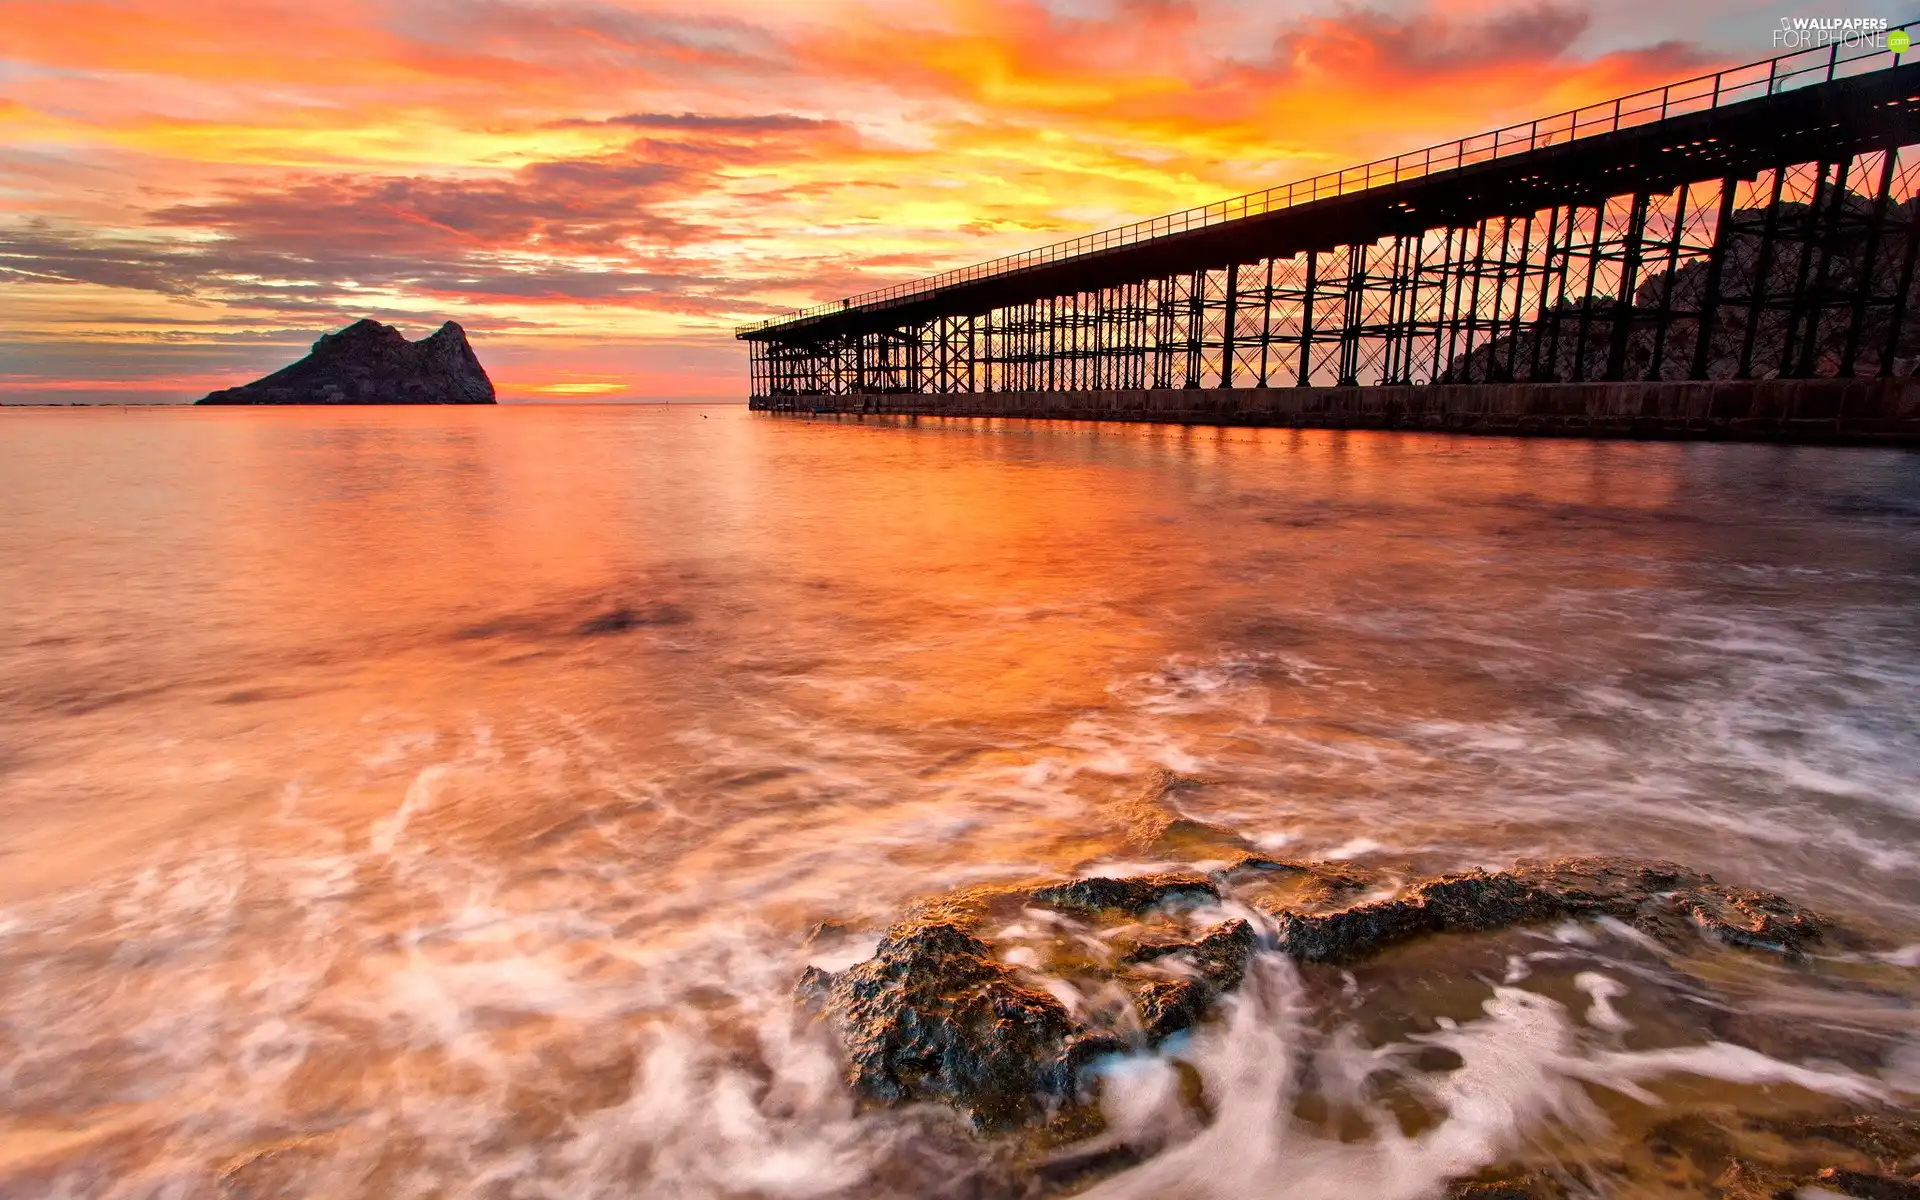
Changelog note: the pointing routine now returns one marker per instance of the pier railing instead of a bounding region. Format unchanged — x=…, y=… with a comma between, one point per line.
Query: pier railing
x=1701, y=93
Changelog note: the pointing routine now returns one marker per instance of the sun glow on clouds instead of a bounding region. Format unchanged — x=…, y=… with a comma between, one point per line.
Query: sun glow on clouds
x=600, y=190
x=578, y=389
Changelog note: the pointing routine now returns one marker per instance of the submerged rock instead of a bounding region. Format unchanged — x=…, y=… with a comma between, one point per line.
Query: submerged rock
x=1735, y=1155
x=1150, y=824
x=371, y=363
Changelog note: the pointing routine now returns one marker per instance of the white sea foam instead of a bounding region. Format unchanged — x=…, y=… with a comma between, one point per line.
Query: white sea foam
x=1905, y=956
x=1523, y=1065
x=1358, y=847
x=1604, y=990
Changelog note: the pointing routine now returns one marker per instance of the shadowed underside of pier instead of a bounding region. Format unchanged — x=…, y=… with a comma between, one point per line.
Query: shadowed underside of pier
x=1729, y=256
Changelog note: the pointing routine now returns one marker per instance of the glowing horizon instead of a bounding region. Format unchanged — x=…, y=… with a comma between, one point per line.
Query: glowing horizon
x=601, y=191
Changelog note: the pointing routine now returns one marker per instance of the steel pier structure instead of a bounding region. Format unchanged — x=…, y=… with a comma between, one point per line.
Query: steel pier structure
x=1732, y=252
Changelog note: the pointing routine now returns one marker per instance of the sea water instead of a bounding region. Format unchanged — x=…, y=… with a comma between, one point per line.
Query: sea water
x=443, y=802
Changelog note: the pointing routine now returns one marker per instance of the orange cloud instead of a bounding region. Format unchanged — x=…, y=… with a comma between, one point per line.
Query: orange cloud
x=558, y=173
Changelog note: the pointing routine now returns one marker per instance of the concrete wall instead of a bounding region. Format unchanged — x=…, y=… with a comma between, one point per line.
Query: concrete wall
x=1849, y=411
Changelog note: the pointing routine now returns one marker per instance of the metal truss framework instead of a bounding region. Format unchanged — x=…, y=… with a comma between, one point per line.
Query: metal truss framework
x=1805, y=270
x=1771, y=237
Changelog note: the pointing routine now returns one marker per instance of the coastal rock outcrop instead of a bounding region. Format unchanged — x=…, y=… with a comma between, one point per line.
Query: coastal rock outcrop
x=932, y=1016
x=1660, y=898
x=1003, y=1025
x=371, y=363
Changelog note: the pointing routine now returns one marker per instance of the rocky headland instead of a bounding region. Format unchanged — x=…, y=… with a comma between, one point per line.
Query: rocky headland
x=371, y=363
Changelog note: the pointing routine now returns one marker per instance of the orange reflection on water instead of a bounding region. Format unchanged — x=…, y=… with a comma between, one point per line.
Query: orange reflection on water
x=446, y=768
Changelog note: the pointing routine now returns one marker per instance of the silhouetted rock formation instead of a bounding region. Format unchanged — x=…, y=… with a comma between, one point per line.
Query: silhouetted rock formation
x=371, y=363
x=1554, y=346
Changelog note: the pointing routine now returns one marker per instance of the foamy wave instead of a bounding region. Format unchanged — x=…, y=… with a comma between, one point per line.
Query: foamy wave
x=1522, y=1067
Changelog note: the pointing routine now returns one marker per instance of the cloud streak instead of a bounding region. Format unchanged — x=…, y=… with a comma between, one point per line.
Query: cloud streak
x=647, y=173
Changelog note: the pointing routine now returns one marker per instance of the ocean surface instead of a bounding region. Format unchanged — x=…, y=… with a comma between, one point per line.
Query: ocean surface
x=443, y=802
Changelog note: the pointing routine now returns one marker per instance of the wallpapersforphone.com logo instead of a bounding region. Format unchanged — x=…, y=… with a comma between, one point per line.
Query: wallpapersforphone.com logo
x=1849, y=33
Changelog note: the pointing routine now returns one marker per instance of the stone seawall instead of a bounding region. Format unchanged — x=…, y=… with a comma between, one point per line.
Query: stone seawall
x=1883, y=412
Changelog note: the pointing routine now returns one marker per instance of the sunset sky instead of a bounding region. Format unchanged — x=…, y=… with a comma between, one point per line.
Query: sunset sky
x=599, y=190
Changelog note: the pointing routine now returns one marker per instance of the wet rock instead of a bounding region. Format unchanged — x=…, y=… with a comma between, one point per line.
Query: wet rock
x=968, y=906
x=1332, y=875
x=1867, y=1186
x=813, y=989
x=1885, y=1139
x=1651, y=895
x=1085, y=1049
x=1751, y=919
x=1167, y=1006
x=1275, y=885
x=827, y=931
x=371, y=363
x=1693, y=1136
x=1743, y=1180
x=1133, y=895
x=1151, y=824
x=1220, y=957
x=1495, y=1190
x=1502, y=1184
x=1217, y=962
x=931, y=1016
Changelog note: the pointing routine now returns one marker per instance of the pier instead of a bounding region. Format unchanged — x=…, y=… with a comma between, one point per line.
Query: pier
x=1731, y=255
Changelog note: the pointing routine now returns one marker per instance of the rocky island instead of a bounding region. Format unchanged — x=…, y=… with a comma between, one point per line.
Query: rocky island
x=371, y=363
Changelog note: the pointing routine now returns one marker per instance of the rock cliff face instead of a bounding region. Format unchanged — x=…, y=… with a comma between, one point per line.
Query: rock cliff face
x=371, y=363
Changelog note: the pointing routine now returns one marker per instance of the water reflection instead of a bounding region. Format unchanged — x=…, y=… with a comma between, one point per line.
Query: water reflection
x=437, y=802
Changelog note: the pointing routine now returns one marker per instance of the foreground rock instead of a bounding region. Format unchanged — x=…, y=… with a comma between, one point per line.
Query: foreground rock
x=1004, y=1026
x=371, y=363
x=934, y=1015
x=931, y=1016
x=1659, y=898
